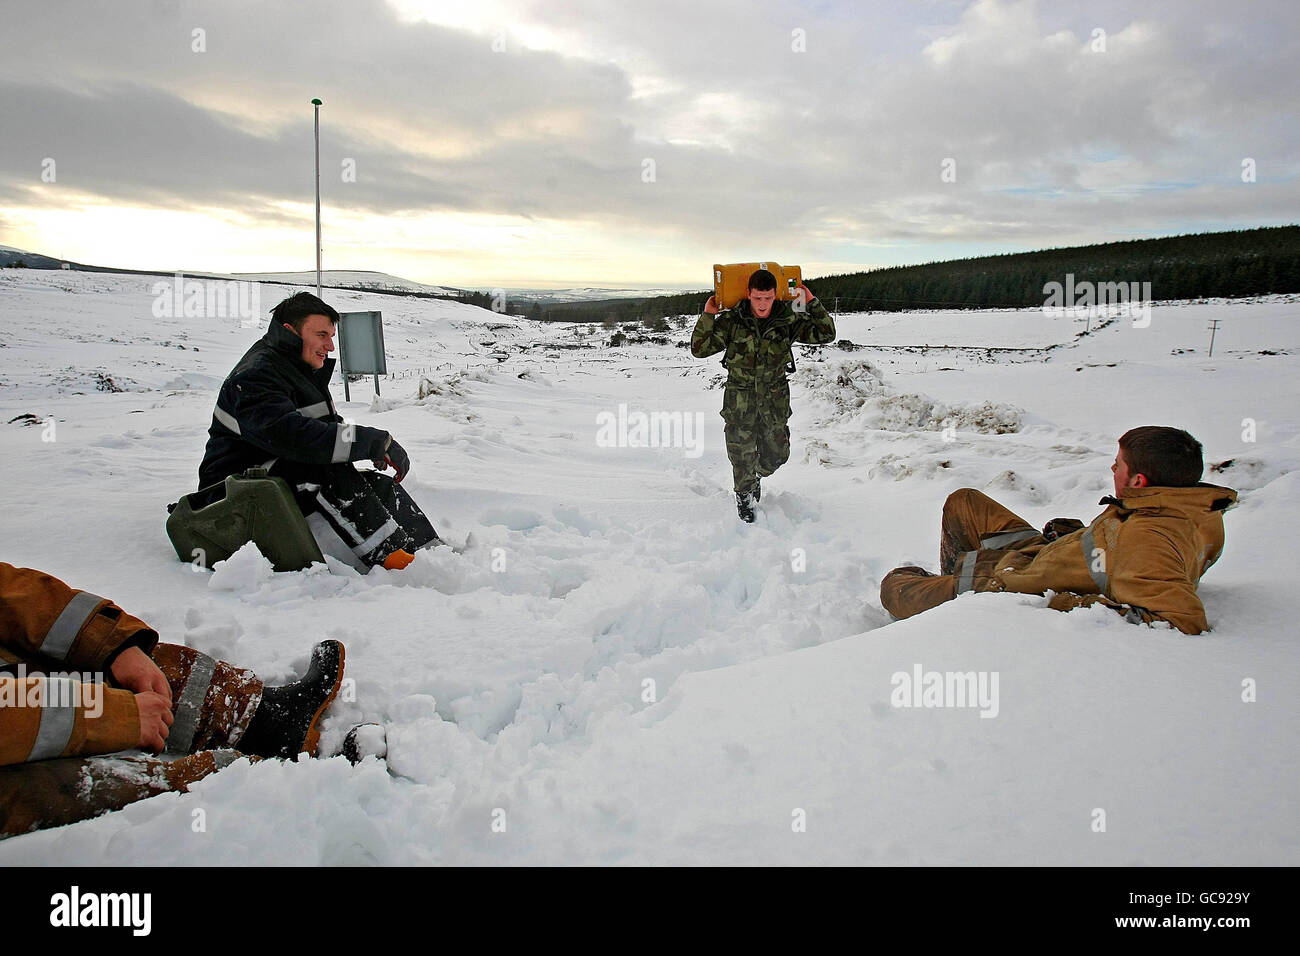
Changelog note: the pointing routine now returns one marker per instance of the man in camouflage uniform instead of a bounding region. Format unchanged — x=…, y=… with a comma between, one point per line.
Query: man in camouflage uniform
x=756, y=335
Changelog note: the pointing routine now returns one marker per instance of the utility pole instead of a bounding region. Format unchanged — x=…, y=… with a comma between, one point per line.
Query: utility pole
x=317, y=105
x=1214, y=327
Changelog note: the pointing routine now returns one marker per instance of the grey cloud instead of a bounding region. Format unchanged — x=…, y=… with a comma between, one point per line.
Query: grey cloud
x=853, y=131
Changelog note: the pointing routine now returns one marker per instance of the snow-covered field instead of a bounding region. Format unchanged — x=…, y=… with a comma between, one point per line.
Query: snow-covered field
x=616, y=670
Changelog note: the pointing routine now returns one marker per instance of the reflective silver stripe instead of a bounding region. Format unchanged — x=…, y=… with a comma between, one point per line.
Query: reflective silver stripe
x=190, y=707
x=58, y=718
x=966, y=578
x=224, y=758
x=1004, y=539
x=360, y=547
x=64, y=630
x=1099, y=578
x=344, y=523
x=225, y=418
x=376, y=539
x=319, y=410
x=343, y=442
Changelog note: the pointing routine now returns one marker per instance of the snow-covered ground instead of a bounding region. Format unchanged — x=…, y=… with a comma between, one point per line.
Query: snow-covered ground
x=616, y=670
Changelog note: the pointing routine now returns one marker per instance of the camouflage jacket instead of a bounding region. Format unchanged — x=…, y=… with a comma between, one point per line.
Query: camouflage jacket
x=758, y=350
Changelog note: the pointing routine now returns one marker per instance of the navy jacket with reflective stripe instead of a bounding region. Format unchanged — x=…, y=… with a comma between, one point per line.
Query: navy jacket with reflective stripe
x=275, y=405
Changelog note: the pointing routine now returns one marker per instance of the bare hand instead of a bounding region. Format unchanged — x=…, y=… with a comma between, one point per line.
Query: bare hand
x=136, y=671
x=806, y=293
x=155, y=720
x=711, y=306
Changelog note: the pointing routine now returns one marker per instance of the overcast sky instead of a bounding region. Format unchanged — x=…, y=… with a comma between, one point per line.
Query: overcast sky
x=593, y=142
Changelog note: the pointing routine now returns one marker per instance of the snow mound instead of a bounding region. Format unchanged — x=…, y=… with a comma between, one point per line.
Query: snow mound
x=855, y=390
x=1244, y=474
x=1013, y=482
x=245, y=570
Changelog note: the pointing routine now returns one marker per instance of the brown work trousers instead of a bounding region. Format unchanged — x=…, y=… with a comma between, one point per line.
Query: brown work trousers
x=976, y=534
x=212, y=703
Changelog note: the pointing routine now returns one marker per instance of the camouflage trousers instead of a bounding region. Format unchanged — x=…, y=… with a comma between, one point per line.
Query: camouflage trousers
x=976, y=536
x=212, y=702
x=757, y=432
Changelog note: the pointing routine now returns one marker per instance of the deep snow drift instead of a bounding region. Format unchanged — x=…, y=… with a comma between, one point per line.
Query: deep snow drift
x=616, y=669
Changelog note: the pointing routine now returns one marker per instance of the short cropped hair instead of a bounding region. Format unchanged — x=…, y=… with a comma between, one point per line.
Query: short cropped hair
x=760, y=280
x=295, y=309
x=1169, y=457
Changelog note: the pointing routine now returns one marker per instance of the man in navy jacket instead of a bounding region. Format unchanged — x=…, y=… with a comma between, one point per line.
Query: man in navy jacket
x=274, y=411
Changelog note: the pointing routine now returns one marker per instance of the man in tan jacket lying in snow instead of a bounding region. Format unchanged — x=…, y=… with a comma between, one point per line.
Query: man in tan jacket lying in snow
x=80, y=677
x=1143, y=556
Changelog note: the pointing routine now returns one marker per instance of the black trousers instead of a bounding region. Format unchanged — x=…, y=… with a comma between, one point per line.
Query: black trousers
x=371, y=512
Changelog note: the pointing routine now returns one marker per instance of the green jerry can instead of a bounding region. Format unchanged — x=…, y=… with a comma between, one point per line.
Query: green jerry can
x=213, y=523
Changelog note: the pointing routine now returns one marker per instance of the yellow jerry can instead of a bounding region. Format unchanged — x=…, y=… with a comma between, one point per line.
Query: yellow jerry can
x=731, y=282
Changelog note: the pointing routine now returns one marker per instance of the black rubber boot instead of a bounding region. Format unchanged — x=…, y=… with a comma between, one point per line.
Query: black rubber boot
x=285, y=723
x=365, y=740
x=745, y=507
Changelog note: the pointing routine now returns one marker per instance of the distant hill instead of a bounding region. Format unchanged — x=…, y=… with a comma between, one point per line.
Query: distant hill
x=355, y=281
x=1232, y=264
x=1206, y=265
x=359, y=280
x=1214, y=264
x=11, y=258
x=364, y=280
x=548, y=297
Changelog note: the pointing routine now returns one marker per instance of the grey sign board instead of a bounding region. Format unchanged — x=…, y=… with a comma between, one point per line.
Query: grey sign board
x=361, y=343
x=361, y=347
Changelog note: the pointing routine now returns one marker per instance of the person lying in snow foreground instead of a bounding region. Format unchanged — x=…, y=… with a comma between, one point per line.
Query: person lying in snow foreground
x=1143, y=556
x=274, y=411
x=205, y=713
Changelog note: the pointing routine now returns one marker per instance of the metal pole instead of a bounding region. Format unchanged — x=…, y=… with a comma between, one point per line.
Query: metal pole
x=317, y=104
x=343, y=368
x=1214, y=327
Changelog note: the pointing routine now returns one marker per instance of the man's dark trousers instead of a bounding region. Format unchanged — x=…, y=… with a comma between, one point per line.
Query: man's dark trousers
x=369, y=510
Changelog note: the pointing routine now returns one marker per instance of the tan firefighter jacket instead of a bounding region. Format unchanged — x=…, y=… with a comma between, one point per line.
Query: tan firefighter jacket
x=1144, y=554
x=54, y=640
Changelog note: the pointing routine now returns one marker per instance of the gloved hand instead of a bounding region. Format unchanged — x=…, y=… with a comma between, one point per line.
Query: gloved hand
x=1060, y=527
x=396, y=458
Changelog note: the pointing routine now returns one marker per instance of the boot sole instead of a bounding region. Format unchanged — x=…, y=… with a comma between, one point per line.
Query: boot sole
x=313, y=730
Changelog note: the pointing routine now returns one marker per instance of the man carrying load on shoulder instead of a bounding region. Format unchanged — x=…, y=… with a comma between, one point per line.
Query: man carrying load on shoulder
x=755, y=337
